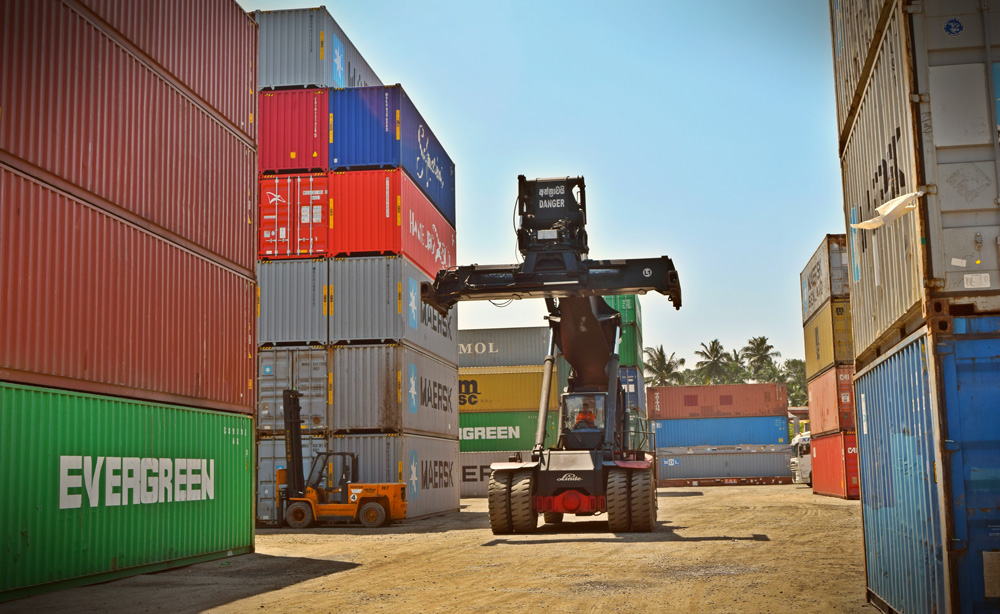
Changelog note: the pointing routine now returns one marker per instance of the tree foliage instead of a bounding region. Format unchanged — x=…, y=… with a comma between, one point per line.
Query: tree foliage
x=662, y=370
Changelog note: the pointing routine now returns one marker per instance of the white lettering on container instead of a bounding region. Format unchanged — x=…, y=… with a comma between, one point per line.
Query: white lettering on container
x=133, y=481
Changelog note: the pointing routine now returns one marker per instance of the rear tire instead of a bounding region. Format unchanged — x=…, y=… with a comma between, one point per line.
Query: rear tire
x=372, y=515
x=618, y=501
x=643, y=502
x=522, y=489
x=299, y=515
x=553, y=517
x=499, y=503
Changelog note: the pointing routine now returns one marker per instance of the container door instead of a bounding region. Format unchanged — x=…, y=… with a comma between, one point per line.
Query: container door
x=277, y=209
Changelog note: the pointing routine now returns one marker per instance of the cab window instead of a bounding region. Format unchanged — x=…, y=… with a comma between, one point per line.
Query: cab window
x=584, y=412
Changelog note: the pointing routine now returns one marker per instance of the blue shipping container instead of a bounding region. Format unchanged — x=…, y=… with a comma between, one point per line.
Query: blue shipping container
x=930, y=471
x=378, y=127
x=635, y=387
x=720, y=431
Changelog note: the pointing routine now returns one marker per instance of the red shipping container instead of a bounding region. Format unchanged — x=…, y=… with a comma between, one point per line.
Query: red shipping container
x=93, y=303
x=725, y=401
x=82, y=113
x=353, y=213
x=831, y=401
x=208, y=47
x=295, y=130
x=835, y=465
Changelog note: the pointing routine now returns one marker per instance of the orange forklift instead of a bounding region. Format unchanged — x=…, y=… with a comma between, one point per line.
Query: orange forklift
x=320, y=498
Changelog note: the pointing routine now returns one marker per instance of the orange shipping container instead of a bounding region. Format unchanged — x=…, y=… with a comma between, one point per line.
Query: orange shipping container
x=729, y=401
x=831, y=401
x=835, y=465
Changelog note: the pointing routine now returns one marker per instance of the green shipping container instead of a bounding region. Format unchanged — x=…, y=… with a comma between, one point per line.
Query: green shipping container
x=96, y=488
x=502, y=431
x=628, y=305
x=630, y=347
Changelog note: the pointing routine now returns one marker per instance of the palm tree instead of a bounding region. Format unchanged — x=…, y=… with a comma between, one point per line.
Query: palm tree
x=661, y=370
x=793, y=372
x=760, y=357
x=712, y=368
x=736, y=369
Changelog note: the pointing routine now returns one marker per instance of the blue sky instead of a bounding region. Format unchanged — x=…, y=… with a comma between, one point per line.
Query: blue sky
x=705, y=131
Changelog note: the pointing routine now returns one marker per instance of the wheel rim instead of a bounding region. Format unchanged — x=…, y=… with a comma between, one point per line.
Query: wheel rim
x=371, y=515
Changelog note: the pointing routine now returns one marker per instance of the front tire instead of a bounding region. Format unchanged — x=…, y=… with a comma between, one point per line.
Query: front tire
x=372, y=515
x=643, y=502
x=299, y=515
x=499, y=503
x=618, y=501
x=522, y=515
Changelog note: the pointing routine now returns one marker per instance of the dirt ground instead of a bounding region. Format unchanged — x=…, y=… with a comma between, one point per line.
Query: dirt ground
x=719, y=549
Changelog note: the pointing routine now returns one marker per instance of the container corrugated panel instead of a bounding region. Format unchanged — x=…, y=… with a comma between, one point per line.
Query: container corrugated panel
x=295, y=130
x=831, y=401
x=210, y=47
x=379, y=127
x=628, y=305
x=835, y=465
x=427, y=465
x=825, y=276
x=855, y=26
x=720, y=431
x=828, y=338
x=304, y=369
x=393, y=388
x=270, y=458
x=306, y=47
x=378, y=299
x=502, y=347
x=136, y=146
x=111, y=487
x=697, y=466
x=474, y=470
x=737, y=449
x=503, y=389
x=94, y=303
x=294, y=302
x=295, y=217
x=635, y=387
x=498, y=431
x=724, y=401
x=630, y=350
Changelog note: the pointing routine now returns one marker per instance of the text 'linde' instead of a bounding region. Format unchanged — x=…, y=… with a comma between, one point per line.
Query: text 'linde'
x=118, y=480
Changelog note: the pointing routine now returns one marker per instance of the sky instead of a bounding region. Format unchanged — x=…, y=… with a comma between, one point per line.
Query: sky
x=705, y=131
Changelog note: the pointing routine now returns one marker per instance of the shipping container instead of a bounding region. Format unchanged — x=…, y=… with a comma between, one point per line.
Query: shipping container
x=825, y=276
x=738, y=449
x=634, y=386
x=379, y=127
x=392, y=388
x=294, y=303
x=686, y=482
x=630, y=350
x=270, y=458
x=91, y=116
x=720, y=431
x=306, y=48
x=723, y=401
x=503, y=347
x=828, y=338
x=831, y=401
x=503, y=389
x=921, y=127
x=628, y=305
x=108, y=487
x=94, y=303
x=928, y=436
x=210, y=48
x=835, y=465
x=427, y=465
x=503, y=430
x=295, y=131
x=474, y=470
x=723, y=465
x=293, y=217
x=378, y=299
x=304, y=369
x=855, y=24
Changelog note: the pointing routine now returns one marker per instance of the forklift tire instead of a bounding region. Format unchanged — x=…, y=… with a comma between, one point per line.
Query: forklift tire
x=523, y=516
x=643, y=502
x=299, y=515
x=553, y=517
x=372, y=514
x=499, y=503
x=619, y=517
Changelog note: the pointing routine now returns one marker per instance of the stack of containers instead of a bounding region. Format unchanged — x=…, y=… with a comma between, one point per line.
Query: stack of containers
x=630, y=350
x=720, y=435
x=127, y=352
x=916, y=87
x=826, y=316
x=356, y=210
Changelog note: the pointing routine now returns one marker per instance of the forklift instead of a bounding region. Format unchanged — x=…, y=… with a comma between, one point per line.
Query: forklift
x=321, y=498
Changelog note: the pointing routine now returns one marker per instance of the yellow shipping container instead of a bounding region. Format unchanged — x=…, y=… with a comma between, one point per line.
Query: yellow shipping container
x=503, y=389
x=828, y=338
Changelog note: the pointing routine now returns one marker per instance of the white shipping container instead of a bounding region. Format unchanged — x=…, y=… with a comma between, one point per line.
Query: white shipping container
x=304, y=369
x=854, y=26
x=427, y=465
x=474, y=470
x=502, y=347
x=825, y=275
x=270, y=458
